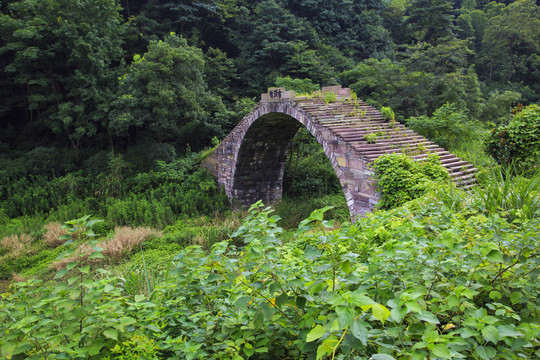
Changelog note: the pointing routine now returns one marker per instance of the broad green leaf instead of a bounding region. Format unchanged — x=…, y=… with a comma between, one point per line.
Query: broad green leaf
x=414, y=306
x=382, y=357
x=301, y=302
x=153, y=327
x=495, y=295
x=242, y=302
x=360, y=300
x=345, y=316
x=316, y=333
x=248, y=349
x=515, y=297
x=61, y=273
x=346, y=266
x=327, y=346
x=441, y=351
x=448, y=241
x=95, y=348
x=8, y=349
x=258, y=319
x=316, y=288
x=398, y=314
x=311, y=253
x=494, y=256
x=360, y=332
x=507, y=331
x=125, y=321
x=453, y=301
x=139, y=298
x=96, y=255
x=380, y=312
x=428, y=317
x=282, y=300
x=111, y=334
x=485, y=352
x=85, y=269
x=491, y=333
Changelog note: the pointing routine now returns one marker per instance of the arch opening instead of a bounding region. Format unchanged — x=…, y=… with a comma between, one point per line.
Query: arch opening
x=261, y=159
x=262, y=155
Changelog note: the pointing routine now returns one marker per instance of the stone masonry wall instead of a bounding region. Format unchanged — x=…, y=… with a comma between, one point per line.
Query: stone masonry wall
x=250, y=161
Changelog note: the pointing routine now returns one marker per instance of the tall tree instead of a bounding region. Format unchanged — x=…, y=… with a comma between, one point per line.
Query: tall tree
x=164, y=93
x=430, y=20
x=511, y=46
x=59, y=60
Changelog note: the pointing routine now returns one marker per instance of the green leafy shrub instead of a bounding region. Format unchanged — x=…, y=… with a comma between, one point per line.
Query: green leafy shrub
x=308, y=172
x=519, y=141
x=43, y=161
x=388, y=115
x=301, y=86
x=509, y=194
x=293, y=210
x=371, y=138
x=97, y=163
x=330, y=97
x=402, y=284
x=401, y=179
x=449, y=126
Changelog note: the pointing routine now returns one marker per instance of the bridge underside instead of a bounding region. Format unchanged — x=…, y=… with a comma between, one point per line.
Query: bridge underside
x=261, y=159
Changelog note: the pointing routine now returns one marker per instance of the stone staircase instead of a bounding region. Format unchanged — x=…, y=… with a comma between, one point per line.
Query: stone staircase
x=367, y=132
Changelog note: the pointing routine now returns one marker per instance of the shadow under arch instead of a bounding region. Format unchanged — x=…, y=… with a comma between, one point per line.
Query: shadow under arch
x=260, y=165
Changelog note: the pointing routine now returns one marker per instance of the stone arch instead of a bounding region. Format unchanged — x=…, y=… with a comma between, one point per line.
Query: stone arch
x=250, y=162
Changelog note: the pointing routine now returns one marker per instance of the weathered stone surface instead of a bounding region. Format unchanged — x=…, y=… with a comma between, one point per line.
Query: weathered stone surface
x=250, y=162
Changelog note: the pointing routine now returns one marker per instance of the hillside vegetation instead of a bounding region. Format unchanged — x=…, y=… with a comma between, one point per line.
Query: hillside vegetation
x=116, y=244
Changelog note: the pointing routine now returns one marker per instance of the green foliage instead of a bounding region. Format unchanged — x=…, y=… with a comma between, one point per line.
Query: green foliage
x=388, y=114
x=500, y=59
x=308, y=172
x=301, y=86
x=430, y=20
x=164, y=91
x=292, y=210
x=158, y=197
x=43, y=161
x=401, y=179
x=330, y=97
x=371, y=138
x=60, y=59
x=519, y=141
x=449, y=127
x=409, y=283
x=509, y=193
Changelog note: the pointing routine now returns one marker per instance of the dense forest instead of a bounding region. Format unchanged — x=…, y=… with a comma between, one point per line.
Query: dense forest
x=86, y=76
x=116, y=244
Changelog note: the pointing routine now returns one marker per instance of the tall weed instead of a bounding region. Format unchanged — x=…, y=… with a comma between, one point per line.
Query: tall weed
x=505, y=190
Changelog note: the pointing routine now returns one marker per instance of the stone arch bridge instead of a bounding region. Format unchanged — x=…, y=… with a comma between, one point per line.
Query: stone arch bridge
x=249, y=163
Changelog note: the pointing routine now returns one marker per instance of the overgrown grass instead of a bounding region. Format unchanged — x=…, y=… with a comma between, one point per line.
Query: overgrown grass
x=293, y=210
x=505, y=191
x=502, y=191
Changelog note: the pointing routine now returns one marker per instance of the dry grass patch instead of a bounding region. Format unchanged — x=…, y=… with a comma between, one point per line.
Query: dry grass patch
x=17, y=245
x=125, y=239
x=53, y=232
